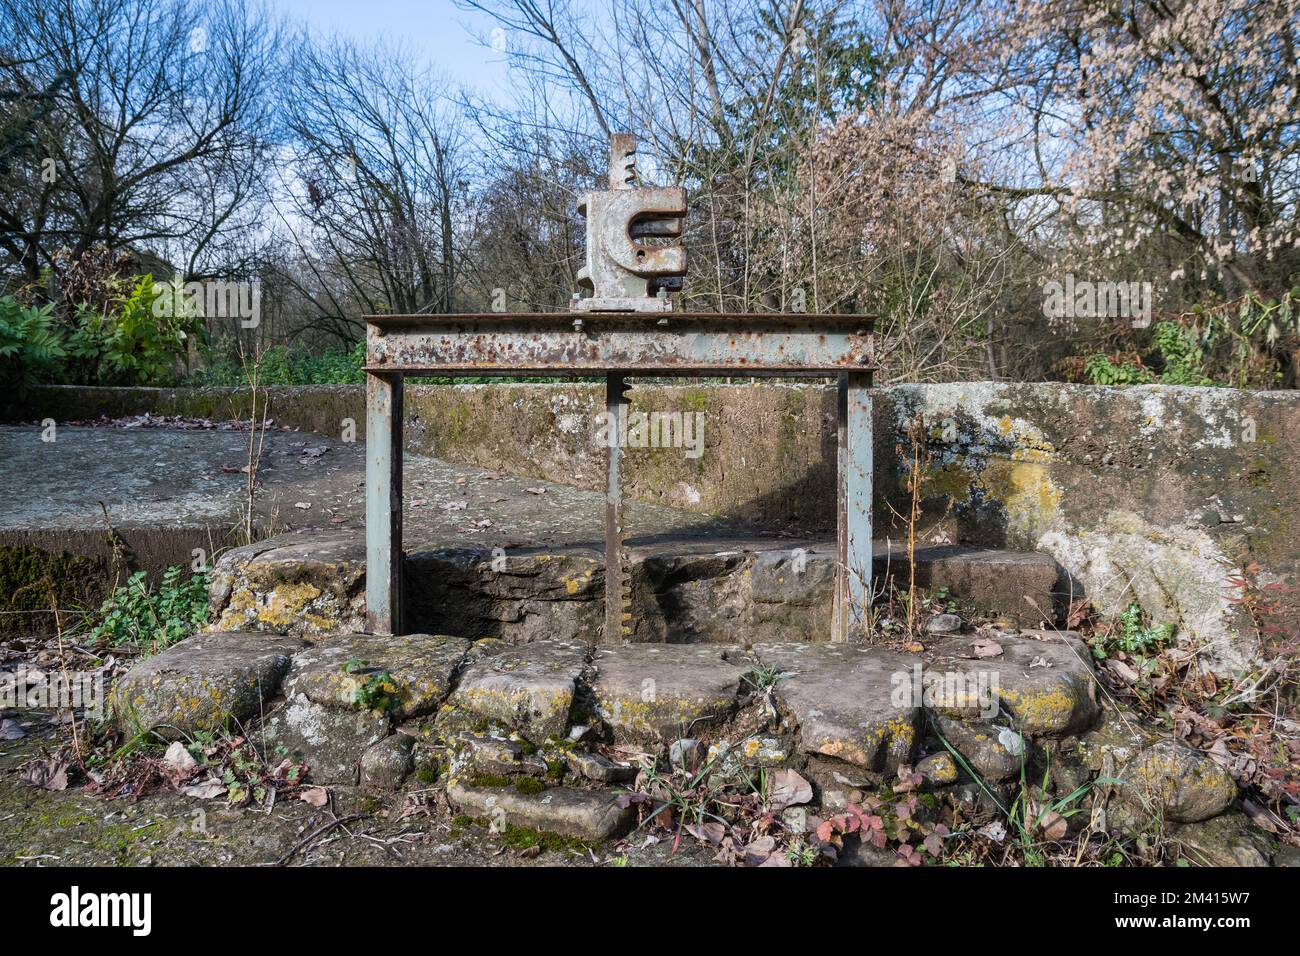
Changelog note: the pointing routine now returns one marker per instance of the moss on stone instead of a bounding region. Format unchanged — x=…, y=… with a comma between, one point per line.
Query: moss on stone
x=529, y=786
x=27, y=575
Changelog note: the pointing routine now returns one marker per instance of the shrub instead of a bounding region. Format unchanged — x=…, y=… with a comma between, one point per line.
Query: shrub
x=133, y=343
x=134, y=614
x=31, y=346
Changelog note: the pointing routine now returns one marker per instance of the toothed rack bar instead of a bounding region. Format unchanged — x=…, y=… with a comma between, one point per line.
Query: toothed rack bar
x=617, y=346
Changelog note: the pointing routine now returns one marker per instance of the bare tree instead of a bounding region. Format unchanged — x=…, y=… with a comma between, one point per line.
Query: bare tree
x=154, y=128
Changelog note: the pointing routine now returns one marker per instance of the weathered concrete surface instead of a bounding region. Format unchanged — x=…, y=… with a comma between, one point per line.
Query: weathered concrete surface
x=202, y=683
x=658, y=692
x=97, y=503
x=1152, y=492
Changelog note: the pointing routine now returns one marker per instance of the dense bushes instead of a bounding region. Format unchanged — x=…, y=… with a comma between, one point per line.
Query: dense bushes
x=128, y=343
x=282, y=366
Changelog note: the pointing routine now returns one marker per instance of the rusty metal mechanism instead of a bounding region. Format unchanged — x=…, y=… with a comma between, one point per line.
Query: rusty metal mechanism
x=608, y=331
x=622, y=274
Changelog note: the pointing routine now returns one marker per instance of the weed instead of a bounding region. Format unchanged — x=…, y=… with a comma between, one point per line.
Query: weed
x=152, y=620
x=376, y=692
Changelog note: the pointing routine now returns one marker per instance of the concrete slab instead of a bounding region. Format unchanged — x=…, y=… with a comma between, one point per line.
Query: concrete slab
x=488, y=555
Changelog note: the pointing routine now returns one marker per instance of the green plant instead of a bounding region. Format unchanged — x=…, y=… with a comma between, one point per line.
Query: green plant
x=142, y=339
x=1102, y=371
x=1181, y=351
x=31, y=345
x=763, y=678
x=376, y=692
x=281, y=366
x=152, y=620
x=1132, y=635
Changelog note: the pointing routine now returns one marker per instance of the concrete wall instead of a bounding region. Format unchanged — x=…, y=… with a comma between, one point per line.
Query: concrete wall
x=1151, y=493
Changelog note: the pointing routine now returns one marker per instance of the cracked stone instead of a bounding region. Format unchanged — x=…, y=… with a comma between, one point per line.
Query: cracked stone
x=202, y=683
x=527, y=688
x=588, y=815
x=421, y=665
x=844, y=701
x=651, y=693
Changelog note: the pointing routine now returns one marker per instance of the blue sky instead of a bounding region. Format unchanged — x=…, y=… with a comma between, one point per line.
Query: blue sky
x=445, y=33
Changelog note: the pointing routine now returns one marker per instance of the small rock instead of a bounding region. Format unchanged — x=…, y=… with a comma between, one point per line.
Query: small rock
x=686, y=754
x=1179, y=783
x=535, y=765
x=944, y=624
x=597, y=768
x=490, y=755
x=584, y=814
x=938, y=769
x=984, y=747
x=858, y=853
x=11, y=730
x=1286, y=855
x=385, y=765
x=750, y=752
x=1115, y=741
x=1226, y=840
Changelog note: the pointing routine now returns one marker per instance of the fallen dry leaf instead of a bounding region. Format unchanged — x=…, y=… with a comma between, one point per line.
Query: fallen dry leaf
x=1054, y=826
x=758, y=852
x=787, y=789
x=316, y=796
x=49, y=774
x=712, y=832
x=178, y=762
x=208, y=789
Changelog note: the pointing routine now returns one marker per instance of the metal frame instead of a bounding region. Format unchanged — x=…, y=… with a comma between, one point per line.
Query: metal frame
x=618, y=346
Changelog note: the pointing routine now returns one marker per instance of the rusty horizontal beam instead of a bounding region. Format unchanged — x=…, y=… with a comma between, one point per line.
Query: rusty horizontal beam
x=559, y=343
